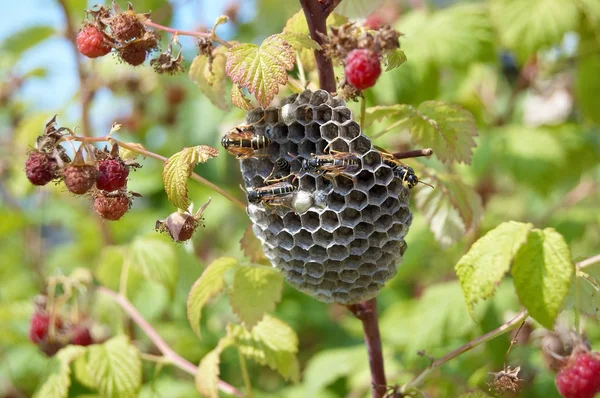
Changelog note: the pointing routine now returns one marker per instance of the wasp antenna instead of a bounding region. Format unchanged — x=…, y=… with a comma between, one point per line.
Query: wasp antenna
x=429, y=185
x=293, y=156
x=243, y=190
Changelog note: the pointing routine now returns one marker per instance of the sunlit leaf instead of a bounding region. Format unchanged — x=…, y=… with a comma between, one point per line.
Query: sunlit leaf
x=394, y=59
x=207, y=377
x=299, y=41
x=25, y=39
x=451, y=208
x=297, y=22
x=251, y=246
x=210, y=78
x=380, y=112
x=261, y=69
x=272, y=343
x=254, y=292
x=57, y=385
x=206, y=287
x=154, y=258
x=179, y=167
x=587, y=291
x=238, y=99
x=489, y=259
x=125, y=153
x=326, y=366
x=115, y=367
x=543, y=272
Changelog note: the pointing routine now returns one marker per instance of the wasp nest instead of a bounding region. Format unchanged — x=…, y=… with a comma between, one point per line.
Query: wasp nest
x=339, y=237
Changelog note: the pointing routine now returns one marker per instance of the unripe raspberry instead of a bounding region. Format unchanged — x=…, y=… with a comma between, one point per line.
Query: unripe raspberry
x=112, y=207
x=112, y=175
x=80, y=178
x=362, y=68
x=580, y=378
x=40, y=168
x=82, y=336
x=91, y=42
x=126, y=26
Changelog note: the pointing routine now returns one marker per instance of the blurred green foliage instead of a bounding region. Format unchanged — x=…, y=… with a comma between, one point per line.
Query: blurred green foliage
x=529, y=71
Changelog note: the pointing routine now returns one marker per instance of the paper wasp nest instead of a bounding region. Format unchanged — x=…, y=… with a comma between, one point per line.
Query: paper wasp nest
x=340, y=239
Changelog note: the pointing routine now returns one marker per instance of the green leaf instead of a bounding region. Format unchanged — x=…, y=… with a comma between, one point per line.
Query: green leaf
x=394, y=59
x=155, y=258
x=543, y=271
x=452, y=208
x=210, y=78
x=447, y=129
x=238, y=99
x=206, y=287
x=261, y=69
x=207, y=377
x=488, y=260
x=474, y=394
x=528, y=26
x=25, y=39
x=297, y=22
x=272, y=343
x=298, y=41
x=377, y=113
x=115, y=367
x=254, y=291
x=251, y=246
x=587, y=291
x=179, y=167
x=325, y=367
x=587, y=78
x=57, y=385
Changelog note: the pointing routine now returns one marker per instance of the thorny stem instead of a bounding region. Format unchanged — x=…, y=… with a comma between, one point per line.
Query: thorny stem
x=168, y=353
x=367, y=313
x=163, y=159
x=85, y=93
x=413, y=154
x=505, y=328
x=209, y=35
x=316, y=13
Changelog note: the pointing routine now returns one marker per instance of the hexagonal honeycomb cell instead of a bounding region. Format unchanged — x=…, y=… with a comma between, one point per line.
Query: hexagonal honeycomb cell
x=347, y=244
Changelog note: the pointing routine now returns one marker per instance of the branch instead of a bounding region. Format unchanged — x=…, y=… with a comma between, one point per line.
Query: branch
x=505, y=328
x=158, y=341
x=209, y=35
x=316, y=13
x=588, y=261
x=367, y=313
x=413, y=154
x=86, y=94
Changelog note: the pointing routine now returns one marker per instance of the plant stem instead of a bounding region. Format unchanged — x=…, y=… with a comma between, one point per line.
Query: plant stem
x=170, y=355
x=316, y=14
x=390, y=128
x=367, y=313
x=505, y=328
x=589, y=261
x=245, y=375
x=208, y=35
x=363, y=111
x=413, y=154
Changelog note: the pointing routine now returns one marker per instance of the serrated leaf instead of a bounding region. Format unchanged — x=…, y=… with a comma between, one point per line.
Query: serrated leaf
x=327, y=366
x=155, y=258
x=254, y=292
x=297, y=22
x=488, y=260
x=380, y=112
x=206, y=287
x=125, y=153
x=587, y=291
x=298, y=41
x=451, y=208
x=238, y=99
x=82, y=374
x=115, y=367
x=261, y=69
x=210, y=78
x=251, y=246
x=394, y=59
x=272, y=343
x=528, y=26
x=57, y=385
x=177, y=170
x=207, y=377
x=543, y=271
x=25, y=39
x=447, y=129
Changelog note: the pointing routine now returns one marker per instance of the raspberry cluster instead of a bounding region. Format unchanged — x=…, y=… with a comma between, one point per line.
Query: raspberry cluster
x=103, y=175
x=51, y=339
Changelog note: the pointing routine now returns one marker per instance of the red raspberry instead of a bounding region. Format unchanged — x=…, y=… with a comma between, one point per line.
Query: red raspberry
x=362, y=68
x=580, y=378
x=112, y=207
x=38, y=330
x=91, y=42
x=79, y=179
x=40, y=168
x=82, y=336
x=112, y=175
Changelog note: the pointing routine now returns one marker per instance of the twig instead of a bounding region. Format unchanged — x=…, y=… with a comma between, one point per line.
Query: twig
x=245, y=375
x=413, y=154
x=209, y=35
x=588, y=261
x=367, y=313
x=86, y=94
x=170, y=355
x=316, y=14
x=505, y=328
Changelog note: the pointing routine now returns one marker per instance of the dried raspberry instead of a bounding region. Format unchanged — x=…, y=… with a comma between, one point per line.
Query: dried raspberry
x=38, y=330
x=82, y=336
x=79, y=179
x=362, y=68
x=112, y=207
x=92, y=43
x=40, y=168
x=134, y=54
x=580, y=378
x=126, y=26
x=180, y=226
x=112, y=175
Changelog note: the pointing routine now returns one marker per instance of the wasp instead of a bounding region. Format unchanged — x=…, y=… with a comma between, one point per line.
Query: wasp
x=243, y=142
x=333, y=164
x=272, y=194
x=401, y=170
x=280, y=167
